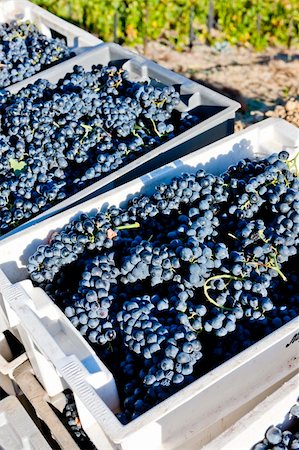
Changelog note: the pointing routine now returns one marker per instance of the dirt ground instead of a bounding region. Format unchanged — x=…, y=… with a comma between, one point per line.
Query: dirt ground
x=266, y=84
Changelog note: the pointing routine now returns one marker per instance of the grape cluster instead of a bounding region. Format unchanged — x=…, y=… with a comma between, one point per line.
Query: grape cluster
x=284, y=436
x=173, y=349
x=164, y=286
x=58, y=138
x=89, y=308
x=25, y=51
x=285, y=299
x=263, y=215
x=85, y=233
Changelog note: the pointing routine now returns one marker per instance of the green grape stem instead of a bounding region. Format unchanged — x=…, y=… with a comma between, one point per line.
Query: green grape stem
x=87, y=129
x=129, y=226
x=294, y=164
x=155, y=128
x=270, y=266
x=206, y=287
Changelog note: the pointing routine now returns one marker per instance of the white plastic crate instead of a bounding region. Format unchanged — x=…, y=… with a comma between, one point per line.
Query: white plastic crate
x=216, y=114
x=187, y=419
x=251, y=428
x=17, y=430
x=7, y=365
x=77, y=40
x=225, y=392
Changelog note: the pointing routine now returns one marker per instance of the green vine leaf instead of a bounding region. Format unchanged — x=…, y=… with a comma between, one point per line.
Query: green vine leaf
x=17, y=166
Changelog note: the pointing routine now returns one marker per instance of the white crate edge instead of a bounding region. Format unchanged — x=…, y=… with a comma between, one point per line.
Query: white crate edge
x=251, y=428
x=26, y=10
x=17, y=429
x=7, y=366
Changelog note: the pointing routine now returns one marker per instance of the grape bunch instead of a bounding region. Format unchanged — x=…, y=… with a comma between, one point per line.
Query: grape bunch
x=173, y=349
x=59, y=138
x=25, y=51
x=284, y=436
x=89, y=308
x=285, y=298
x=179, y=281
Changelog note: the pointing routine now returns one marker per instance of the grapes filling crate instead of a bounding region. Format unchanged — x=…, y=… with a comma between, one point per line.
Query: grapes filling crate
x=39, y=38
x=160, y=365
x=97, y=128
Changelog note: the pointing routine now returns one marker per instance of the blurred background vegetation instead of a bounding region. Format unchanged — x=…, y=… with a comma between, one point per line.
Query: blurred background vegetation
x=183, y=23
